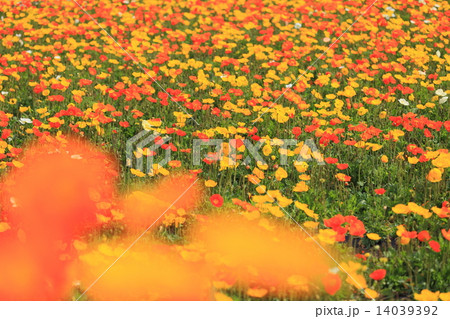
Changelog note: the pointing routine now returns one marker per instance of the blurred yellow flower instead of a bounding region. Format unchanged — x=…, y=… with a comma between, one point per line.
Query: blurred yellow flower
x=427, y=295
x=370, y=293
x=137, y=172
x=210, y=183
x=373, y=236
x=327, y=236
x=222, y=297
x=301, y=187
x=401, y=209
x=434, y=175
x=442, y=161
x=280, y=174
x=4, y=227
x=444, y=296
x=257, y=292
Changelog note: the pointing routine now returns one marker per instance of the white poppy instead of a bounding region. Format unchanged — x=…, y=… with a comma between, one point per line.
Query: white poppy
x=13, y=202
x=440, y=92
x=25, y=120
x=334, y=270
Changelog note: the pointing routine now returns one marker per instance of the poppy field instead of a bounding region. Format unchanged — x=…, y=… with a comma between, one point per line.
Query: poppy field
x=356, y=209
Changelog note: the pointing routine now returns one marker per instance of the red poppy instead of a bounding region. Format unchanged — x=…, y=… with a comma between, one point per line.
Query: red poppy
x=446, y=234
x=380, y=191
x=335, y=221
x=354, y=226
x=216, y=200
x=361, y=256
x=84, y=82
x=434, y=245
x=5, y=134
x=57, y=98
x=342, y=166
x=332, y=283
x=378, y=274
x=357, y=228
x=424, y=235
x=331, y=160
x=296, y=131
x=409, y=234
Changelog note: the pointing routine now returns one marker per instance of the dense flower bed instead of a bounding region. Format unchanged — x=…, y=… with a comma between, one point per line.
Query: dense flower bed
x=367, y=82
